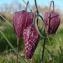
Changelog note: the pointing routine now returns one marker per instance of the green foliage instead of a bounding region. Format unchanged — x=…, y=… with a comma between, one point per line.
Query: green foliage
x=53, y=49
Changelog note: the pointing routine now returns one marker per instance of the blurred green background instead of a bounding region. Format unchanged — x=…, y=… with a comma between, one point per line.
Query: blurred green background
x=8, y=41
x=53, y=49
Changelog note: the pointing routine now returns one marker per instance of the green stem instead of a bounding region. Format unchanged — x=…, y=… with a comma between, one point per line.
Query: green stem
x=17, y=50
x=26, y=6
x=43, y=51
x=42, y=61
x=36, y=10
x=36, y=7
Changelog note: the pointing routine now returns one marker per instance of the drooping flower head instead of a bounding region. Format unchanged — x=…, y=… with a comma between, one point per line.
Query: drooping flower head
x=31, y=37
x=21, y=20
x=51, y=20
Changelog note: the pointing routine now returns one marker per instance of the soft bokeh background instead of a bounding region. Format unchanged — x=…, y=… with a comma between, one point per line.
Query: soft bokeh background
x=8, y=42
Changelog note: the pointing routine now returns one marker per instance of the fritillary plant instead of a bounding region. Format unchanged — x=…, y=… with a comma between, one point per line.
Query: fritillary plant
x=26, y=27
x=52, y=20
x=21, y=20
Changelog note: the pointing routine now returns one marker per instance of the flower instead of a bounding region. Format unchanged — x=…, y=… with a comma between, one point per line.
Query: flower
x=21, y=20
x=52, y=22
x=31, y=37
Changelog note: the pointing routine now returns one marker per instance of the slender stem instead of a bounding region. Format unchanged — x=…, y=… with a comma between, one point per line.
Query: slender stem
x=44, y=31
x=42, y=61
x=27, y=5
x=17, y=50
x=36, y=7
x=36, y=10
x=51, y=4
x=43, y=51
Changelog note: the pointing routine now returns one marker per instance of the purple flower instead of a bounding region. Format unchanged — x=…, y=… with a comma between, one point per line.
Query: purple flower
x=31, y=37
x=52, y=22
x=21, y=20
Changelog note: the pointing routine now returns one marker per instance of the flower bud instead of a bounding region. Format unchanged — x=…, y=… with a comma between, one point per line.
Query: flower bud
x=21, y=20
x=31, y=37
x=52, y=22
